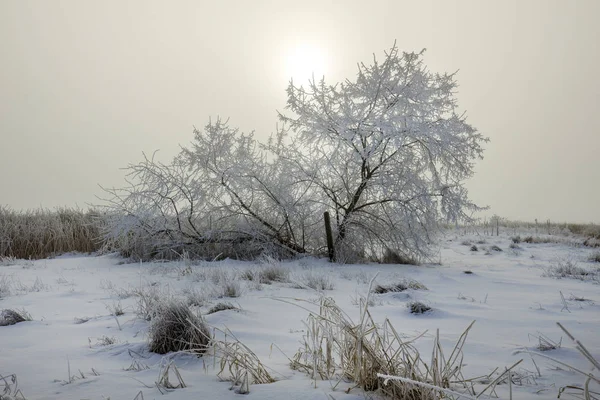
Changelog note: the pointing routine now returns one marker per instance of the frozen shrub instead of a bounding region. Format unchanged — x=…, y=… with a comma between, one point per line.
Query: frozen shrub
x=474, y=248
x=176, y=328
x=516, y=239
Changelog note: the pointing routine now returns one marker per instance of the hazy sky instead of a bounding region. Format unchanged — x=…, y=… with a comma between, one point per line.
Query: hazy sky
x=86, y=86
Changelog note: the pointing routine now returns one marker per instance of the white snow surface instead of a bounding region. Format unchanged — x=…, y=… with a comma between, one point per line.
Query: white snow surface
x=506, y=294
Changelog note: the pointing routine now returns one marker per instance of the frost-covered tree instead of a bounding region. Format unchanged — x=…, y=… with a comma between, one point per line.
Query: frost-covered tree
x=386, y=154
x=388, y=151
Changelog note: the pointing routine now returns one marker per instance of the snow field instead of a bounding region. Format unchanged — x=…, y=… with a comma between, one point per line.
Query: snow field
x=76, y=349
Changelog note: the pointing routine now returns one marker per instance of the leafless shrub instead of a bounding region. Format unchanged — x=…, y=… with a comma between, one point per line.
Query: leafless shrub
x=474, y=248
x=176, y=328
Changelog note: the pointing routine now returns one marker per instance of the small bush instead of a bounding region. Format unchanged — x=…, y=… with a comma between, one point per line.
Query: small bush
x=12, y=317
x=516, y=239
x=176, y=328
x=399, y=287
x=416, y=307
x=466, y=243
x=528, y=239
x=474, y=248
x=495, y=248
x=514, y=246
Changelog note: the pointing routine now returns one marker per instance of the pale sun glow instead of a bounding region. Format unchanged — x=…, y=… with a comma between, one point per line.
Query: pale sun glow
x=305, y=60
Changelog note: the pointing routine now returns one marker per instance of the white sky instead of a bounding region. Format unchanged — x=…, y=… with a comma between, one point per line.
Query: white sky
x=86, y=86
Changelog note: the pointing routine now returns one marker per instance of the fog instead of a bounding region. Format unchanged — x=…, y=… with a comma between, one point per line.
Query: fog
x=86, y=87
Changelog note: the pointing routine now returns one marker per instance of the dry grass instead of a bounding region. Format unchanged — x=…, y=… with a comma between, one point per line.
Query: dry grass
x=367, y=353
x=568, y=268
x=315, y=280
x=239, y=364
x=417, y=307
x=580, y=392
x=43, y=233
x=401, y=286
x=12, y=317
x=221, y=307
x=175, y=328
x=9, y=388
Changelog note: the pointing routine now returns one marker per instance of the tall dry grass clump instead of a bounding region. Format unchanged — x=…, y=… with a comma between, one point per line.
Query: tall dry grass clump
x=43, y=233
x=176, y=328
x=377, y=358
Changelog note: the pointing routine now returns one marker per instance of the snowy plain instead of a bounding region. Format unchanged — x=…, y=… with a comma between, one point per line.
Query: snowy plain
x=75, y=349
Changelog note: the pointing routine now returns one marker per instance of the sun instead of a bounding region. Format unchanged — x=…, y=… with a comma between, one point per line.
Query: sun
x=303, y=61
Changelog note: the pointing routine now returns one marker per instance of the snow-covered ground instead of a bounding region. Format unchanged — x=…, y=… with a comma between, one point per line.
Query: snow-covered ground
x=71, y=299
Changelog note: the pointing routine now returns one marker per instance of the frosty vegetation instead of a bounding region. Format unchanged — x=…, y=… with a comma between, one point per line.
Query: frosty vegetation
x=386, y=154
